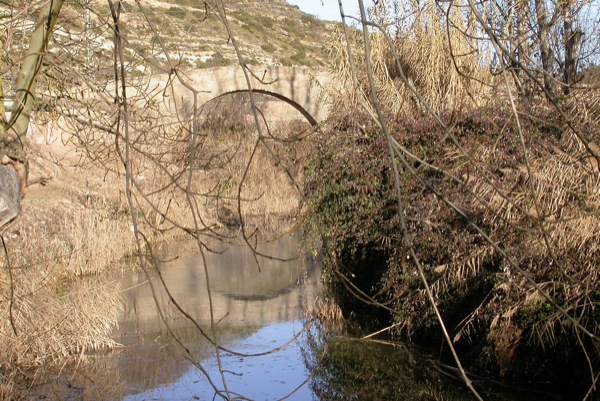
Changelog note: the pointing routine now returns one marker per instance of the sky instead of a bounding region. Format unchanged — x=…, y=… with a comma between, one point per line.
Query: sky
x=328, y=9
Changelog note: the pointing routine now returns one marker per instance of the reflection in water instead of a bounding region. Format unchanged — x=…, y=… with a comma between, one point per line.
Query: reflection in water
x=242, y=294
x=353, y=369
x=256, y=311
x=347, y=368
x=268, y=377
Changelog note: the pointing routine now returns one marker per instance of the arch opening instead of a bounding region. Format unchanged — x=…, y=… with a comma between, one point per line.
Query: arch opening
x=311, y=120
x=255, y=184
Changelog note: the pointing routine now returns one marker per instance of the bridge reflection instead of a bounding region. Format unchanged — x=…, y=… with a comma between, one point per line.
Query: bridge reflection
x=244, y=299
x=243, y=292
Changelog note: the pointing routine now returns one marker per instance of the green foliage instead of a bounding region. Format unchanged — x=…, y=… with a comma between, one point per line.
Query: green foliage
x=308, y=19
x=254, y=23
x=282, y=34
x=299, y=55
x=295, y=30
x=268, y=47
x=351, y=186
x=217, y=60
x=176, y=12
x=351, y=189
x=265, y=21
x=299, y=58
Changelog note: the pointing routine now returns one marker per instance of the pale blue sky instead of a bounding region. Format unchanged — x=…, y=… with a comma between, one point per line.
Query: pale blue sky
x=329, y=9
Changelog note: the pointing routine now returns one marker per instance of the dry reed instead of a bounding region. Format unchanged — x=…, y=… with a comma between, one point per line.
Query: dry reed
x=66, y=234
x=452, y=78
x=551, y=232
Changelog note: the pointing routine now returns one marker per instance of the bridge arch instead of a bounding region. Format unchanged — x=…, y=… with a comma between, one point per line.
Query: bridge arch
x=300, y=87
x=311, y=120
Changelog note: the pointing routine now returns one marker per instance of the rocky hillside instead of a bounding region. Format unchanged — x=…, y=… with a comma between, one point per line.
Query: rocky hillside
x=268, y=32
x=160, y=35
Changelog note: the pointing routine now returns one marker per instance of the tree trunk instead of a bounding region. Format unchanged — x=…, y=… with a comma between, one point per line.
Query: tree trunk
x=12, y=135
x=571, y=42
x=522, y=41
x=546, y=55
x=10, y=194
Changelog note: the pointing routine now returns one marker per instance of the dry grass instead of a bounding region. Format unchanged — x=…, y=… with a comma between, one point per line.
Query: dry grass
x=329, y=315
x=268, y=193
x=74, y=319
x=548, y=222
x=47, y=323
x=227, y=163
x=73, y=229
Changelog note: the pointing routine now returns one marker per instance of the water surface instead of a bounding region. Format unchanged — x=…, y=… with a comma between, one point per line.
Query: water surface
x=256, y=308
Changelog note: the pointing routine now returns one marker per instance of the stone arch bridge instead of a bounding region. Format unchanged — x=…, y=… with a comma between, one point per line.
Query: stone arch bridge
x=301, y=87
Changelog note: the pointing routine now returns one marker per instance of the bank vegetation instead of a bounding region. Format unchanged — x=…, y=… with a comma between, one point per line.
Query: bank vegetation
x=115, y=181
x=457, y=188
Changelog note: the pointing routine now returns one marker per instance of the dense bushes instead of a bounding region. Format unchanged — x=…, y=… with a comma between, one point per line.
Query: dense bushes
x=544, y=221
x=349, y=182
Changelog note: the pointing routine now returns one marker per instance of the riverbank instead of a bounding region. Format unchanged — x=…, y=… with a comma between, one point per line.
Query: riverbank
x=504, y=240
x=76, y=229
x=73, y=224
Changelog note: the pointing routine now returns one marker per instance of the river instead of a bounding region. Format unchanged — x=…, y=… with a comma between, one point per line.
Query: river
x=256, y=309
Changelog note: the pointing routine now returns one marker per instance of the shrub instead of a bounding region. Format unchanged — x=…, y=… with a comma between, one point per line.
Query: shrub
x=176, y=12
x=308, y=19
x=217, y=60
x=485, y=301
x=268, y=47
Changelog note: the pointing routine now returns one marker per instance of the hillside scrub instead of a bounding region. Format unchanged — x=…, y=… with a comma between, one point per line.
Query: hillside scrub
x=498, y=320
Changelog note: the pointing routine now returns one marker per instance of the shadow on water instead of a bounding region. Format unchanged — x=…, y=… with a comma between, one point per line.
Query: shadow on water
x=369, y=370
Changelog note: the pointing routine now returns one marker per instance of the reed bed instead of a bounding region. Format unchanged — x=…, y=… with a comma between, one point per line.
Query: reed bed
x=452, y=77
x=223, y=170
x=57, y=303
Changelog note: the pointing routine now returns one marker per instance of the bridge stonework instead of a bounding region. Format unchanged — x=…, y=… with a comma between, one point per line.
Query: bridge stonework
x=298, y=86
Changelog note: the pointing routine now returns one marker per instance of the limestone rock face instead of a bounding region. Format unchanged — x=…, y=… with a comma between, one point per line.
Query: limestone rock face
x=10, y=196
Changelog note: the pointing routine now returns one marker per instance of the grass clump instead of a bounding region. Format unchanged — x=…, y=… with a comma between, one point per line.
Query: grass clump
x=268, y=47
x=216, y=60
x=176, y=12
